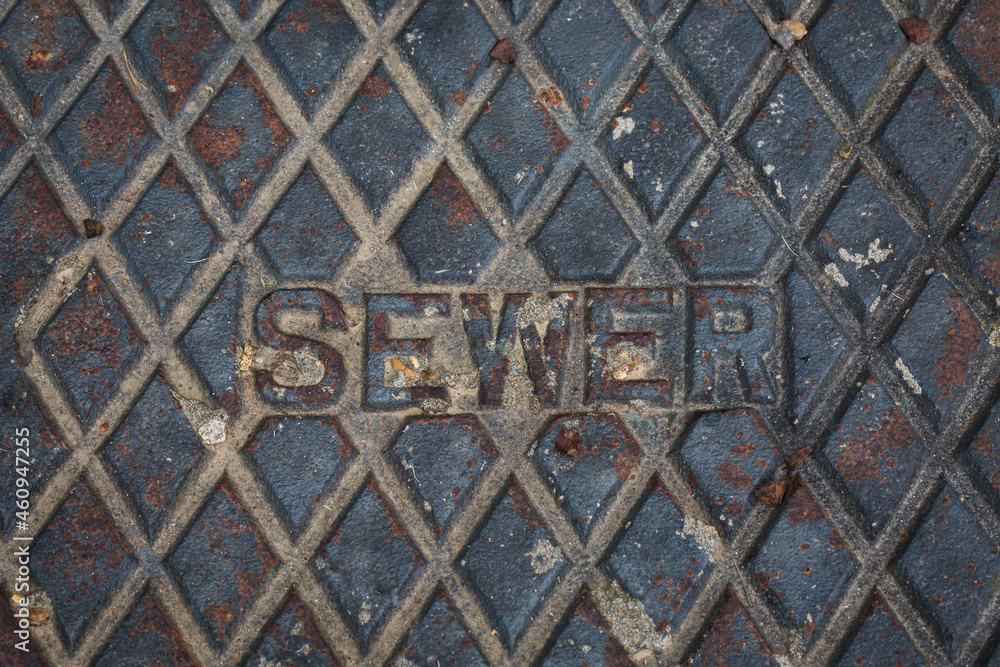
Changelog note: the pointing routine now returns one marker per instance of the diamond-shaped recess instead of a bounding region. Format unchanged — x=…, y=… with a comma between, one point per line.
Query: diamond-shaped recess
x=79, y=560
x=146, y=637
x=300, y=459
x=864, y=244
x=377, y=138
x=104, y=137
x=724, y=235
x=791, y=139
x=306, y=237
x=367, y=561
x=9, y=625
x=929, y=111
x=513, y=562
x=984, y=452
x=165, y=236
x=241, y=155
x=48, y=451
x=880, y=635
x=980, y=236
x=803, y=563
x=950, y=580
x=91, y=344
x=733, y=639
x=656, y=561
x=212, y=340
x=727, y=454
x=816, y=341
x=444, y=238
x=293, y=639
x=34, y=232
x=43, y=42
x=875, y=451
x=585, y=460
x=976, y=34
x=722, y=43
x=587, y=639
x=585, y=73
x=448, y=42
x=938, y=341
x=10, y=138
x=516, y=139
x=443, y=481
x=654, y=138
x=856, y=40
x=177, y=41
x=153, y=450
x=585, y=238
x=312, y=40
x=440, y=638
x=221, y=563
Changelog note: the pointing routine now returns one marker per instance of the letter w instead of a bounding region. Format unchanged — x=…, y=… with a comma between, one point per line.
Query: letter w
x=541, y=323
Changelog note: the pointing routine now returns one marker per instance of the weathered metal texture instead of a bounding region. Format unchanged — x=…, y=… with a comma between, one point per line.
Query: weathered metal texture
x=343, y=342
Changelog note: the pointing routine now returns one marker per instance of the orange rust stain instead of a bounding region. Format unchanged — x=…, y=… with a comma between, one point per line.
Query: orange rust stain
x=218, y=145
x=116, y=132
x=961, y=343
x=374, y=87
x=447, y=189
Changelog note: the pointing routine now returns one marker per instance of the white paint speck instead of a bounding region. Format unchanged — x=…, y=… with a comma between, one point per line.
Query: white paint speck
x=629, y=168
x=834, y=274
x=623, y=125
x=908, y=378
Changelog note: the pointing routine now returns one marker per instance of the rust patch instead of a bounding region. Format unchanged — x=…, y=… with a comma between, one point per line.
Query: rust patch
x=522, y=506
x=802, y=507
x=119, y=130
x=218, y=145
x=180, y=48
x=978, y=36
x=730, y=473
x=961, y=343
x=864, y=457
x=721, y=640
x=447, y=189
x=41, y=228
x=374, y=87
x=89, y=328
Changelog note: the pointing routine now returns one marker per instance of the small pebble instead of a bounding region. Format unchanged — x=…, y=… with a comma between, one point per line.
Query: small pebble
x=916, y=30
x=787, y=33
x=504, y=51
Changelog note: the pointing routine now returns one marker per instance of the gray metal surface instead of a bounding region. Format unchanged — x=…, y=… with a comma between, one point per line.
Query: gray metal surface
x=646, y=340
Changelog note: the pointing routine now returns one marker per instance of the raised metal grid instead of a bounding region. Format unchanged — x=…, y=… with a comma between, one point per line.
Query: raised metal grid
x=375, y=266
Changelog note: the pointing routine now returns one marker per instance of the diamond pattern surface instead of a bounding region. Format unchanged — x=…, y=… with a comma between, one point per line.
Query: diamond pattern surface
x=366, y=561
x=166, y=166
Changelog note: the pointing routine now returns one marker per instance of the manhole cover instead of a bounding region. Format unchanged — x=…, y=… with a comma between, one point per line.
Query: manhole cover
x=500, y=332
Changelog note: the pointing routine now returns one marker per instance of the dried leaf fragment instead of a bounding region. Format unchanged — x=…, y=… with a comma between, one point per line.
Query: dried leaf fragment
x=772, y=493
x=38, y=614
x=91, y=228
x=568, y=442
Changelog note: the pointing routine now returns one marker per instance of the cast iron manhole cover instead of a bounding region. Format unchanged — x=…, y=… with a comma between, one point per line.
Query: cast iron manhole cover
x=444, y=332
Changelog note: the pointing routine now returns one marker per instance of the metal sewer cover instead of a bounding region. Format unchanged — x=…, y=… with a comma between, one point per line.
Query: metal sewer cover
x=571, y=332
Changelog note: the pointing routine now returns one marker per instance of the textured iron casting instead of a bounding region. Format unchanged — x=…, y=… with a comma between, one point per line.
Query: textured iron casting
x=646, y=339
